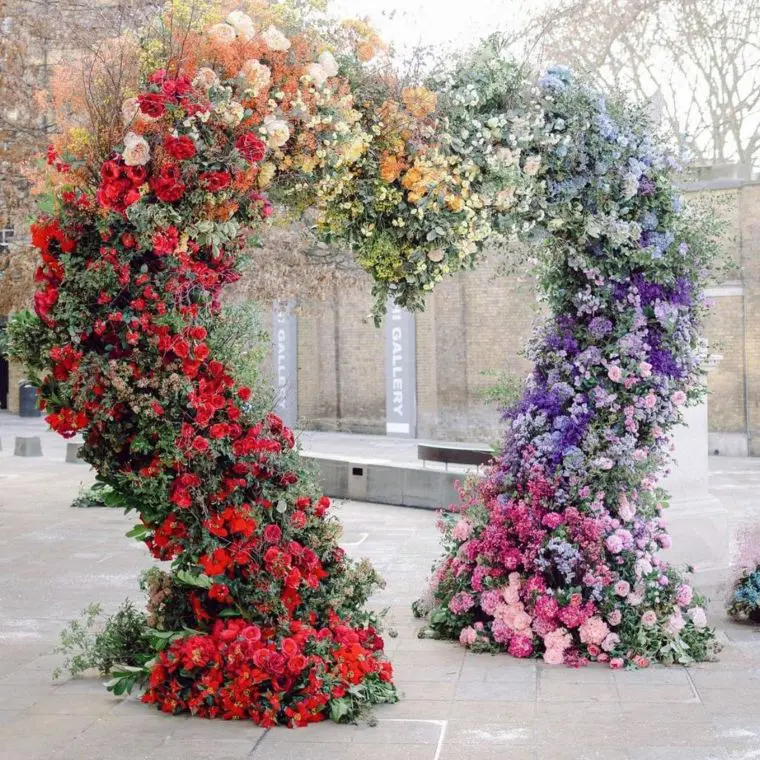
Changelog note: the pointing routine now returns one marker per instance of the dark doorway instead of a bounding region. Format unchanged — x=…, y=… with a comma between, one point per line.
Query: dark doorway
x=3, y=370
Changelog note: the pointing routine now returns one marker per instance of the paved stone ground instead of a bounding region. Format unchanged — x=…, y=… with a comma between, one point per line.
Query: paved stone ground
x=54, y=560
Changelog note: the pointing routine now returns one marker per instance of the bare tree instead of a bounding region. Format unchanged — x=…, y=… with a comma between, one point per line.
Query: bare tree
x=699, y=59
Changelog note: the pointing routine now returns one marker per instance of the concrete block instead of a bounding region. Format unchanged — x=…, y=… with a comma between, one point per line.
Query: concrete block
x=28, y=446
x=385, y=484
x=333, y=476
x=423, y=488
x=73, y=452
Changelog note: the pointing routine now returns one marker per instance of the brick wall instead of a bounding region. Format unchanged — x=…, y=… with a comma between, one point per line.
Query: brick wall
x=480, y=321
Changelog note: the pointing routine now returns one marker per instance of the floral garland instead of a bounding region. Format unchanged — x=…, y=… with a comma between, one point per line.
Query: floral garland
x=555, y=552
x=262, y=615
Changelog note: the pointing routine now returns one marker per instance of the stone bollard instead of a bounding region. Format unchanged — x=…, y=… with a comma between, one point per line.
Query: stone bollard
x=28, y=446
x=73, y=452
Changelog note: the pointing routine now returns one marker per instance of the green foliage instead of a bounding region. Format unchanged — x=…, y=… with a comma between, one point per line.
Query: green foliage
x=97, y=495
x=238, y=339
x=504, y=390
x=88, y=643
x=26, y=342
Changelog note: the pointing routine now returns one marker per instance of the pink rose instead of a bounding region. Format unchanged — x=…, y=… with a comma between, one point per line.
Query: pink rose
x=616, y=663
x=554, y=657
x=468, y=636
x=678, y=398
x=614, y=544
x=649, y=618
x=614, y=373
x=521, y=646
x=615, y=617
x=684, y=595
x=622, y=588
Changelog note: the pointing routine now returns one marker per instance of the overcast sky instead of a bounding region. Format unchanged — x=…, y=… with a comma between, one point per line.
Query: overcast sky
x=434, y=22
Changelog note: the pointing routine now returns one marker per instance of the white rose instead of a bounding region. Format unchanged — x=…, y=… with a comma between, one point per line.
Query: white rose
x=505, y=198
x=698, y=617
x=205, y=78
x=257, y=75
x=242, y=24
x=136, y=150
x=234, y=114
x=532, y=165
x=277, y=131
x=317, y=74
x=223, y=33
x=275, y=39
x=328, y=63
x=505, y=157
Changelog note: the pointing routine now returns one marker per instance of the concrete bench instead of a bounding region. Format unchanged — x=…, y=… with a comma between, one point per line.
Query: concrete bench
x=452, y=453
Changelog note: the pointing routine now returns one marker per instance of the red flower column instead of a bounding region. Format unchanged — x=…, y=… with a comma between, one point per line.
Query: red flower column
x=266, y=610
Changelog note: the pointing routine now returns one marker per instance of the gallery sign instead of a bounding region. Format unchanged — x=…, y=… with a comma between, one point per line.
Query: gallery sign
x=285, y=360
x=400, y=373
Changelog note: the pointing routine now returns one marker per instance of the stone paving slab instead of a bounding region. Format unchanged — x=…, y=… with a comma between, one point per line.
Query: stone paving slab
x=54, y=560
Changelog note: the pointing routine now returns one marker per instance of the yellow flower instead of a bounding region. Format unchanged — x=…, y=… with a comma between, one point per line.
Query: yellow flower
x=413, y=177
x=266, y=174
x=354, y=150
x=455, y=203
x=419, y=101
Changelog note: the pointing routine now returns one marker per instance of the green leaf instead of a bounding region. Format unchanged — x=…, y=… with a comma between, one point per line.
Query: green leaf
x=140, y=532
x=191, y=579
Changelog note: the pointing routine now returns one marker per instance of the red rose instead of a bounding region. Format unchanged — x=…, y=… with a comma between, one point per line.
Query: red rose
x=260, y=658
x=297, y=663
x=152, y=104
x=168, y=185
x=289, y=647
x=252, y=633
x=136, y=174
x=298, y=519
x=200, y=444
x=110, y=170
x=250, y=147
x=180, y=148
x=244, y=394
x=158, y=77
x=215, y=181
x=220, y=430
x=165, y=241
x=272, y=534
x=219, y=592
x=128, y=240
x=176, y=88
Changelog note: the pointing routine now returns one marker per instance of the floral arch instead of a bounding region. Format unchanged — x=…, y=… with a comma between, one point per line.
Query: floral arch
x=262, y=615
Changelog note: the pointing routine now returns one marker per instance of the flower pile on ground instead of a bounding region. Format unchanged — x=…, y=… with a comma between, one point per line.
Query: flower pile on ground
x=555, y=552
x=262, y=615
